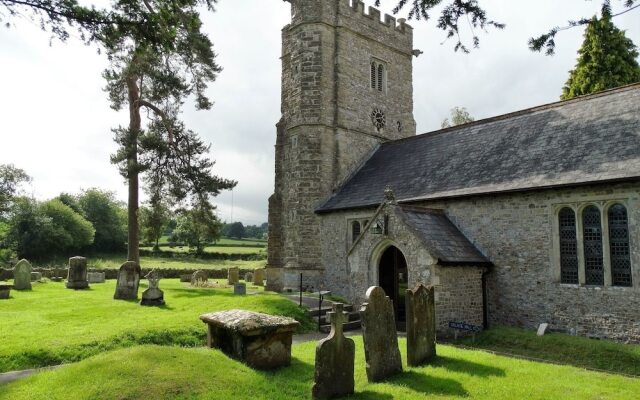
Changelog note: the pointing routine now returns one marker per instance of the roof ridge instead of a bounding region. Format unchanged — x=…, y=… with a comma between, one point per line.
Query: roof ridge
x=525, y=111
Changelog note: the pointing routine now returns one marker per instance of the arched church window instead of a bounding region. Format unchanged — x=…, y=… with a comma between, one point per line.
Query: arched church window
x=592, y=237
x=619, y=246
x=355, y=231
x=568, y=246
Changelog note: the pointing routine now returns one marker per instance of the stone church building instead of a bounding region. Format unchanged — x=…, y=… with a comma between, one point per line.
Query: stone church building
x=519, y=219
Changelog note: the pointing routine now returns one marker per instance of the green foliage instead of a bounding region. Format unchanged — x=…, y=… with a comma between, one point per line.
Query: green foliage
x=154, y=220
x=607, y=59
x=188, y=373
x=42, y=230
x=108, y=217
x=10, y=180
x=197, y=227
x=459, y=116
x=84, y=323
x=236, y=230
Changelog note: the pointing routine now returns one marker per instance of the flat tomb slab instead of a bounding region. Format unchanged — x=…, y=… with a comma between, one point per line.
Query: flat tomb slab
x=261, y=341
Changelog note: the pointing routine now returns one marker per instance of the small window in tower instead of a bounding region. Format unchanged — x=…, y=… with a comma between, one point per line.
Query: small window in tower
x=380, y=77
x=373, y=75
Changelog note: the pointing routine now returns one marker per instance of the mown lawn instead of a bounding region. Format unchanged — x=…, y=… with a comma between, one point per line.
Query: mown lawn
x=52, y=325
x=215, y=249
x=556, y=347
x=153, y=372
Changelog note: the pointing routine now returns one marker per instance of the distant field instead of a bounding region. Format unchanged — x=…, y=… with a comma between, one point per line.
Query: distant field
x=229, y=242
x=214, y=249
x=105, y=261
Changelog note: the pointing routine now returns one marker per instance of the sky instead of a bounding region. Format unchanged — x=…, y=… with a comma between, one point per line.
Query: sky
x=56, y=120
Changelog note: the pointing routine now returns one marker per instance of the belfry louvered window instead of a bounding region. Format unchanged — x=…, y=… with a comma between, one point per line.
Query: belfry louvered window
x=592, y=238
x=619, y=246
x=355, y=231
x=568, y=246
x=378, y=76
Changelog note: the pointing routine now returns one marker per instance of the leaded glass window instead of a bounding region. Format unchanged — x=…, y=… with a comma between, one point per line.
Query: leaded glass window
x=619, y=246
x=355, y=230
x=568, y=246
x=592, y=237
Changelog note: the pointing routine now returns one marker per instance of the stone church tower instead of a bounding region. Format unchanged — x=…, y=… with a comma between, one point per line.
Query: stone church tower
x=346, y=87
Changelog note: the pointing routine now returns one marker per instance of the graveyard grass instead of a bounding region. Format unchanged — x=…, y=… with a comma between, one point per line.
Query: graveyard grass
x=114, y=261
x=198, y=373
x=53, y=325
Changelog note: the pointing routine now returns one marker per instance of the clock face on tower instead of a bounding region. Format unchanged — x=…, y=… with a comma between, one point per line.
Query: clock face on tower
x=378, y=118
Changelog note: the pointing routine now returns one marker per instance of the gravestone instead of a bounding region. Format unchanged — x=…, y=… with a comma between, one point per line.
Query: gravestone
x=153, y=296
x=199, y=277
x=248, y=277
x=185, y=277
x=258, y=277
x=96, y=277
x=36, y=276
x=240, y=288
x=77, y=276
x=421, y=325
x=335, y=357
x=128, y=281
x=233, y=276
x=5, y=291
x=380, y=337
x=22, y=275
x=542, y=329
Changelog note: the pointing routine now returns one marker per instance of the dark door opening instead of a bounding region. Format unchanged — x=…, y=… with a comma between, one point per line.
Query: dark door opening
x=392, y=273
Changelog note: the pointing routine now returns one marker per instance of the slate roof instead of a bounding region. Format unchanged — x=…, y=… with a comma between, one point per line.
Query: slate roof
x=441, y=237
x=589, y=139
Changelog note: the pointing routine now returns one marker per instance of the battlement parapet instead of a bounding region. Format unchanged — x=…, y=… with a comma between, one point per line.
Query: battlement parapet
x=374, y=14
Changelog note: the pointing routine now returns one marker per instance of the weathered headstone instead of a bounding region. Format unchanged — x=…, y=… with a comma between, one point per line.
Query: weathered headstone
x=335, y=357
x=233, y=275
x=542, y=329
x=96, y=277
x=128, y=281
x=22, y=275
x=248, y=277
x=153, y=296
x=185, y=277
x=5, y=291
x=258, y=277
x=199, y=277
x=77, y=277
x=36, y=276
x=380, y=337
x=421, y=325
x=240, y=288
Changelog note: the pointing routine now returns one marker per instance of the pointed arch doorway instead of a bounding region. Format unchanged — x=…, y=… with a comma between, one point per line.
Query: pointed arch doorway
x=392, y=277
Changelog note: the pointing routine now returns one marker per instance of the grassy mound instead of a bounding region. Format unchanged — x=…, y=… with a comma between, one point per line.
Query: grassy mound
x=52, y=325
x=177, y=373
x=555, y=347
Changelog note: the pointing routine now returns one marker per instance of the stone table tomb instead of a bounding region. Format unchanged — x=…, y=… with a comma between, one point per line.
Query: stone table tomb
x=261, y=341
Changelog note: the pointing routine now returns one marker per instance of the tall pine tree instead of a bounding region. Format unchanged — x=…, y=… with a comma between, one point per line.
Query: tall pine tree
x=607, y=59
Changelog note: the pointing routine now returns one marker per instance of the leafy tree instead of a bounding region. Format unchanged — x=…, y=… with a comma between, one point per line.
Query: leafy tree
x=157, y=76
x=108, y=217
x=197, y=227
x=71, y=201
x=10, y=180
x=459, y=116
x=236, y=230
x=155, y=219
x=39, y=231
x=607, y=59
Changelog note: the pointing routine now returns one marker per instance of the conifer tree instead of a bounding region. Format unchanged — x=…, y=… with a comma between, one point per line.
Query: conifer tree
x=157, y=73
x=607, y=59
